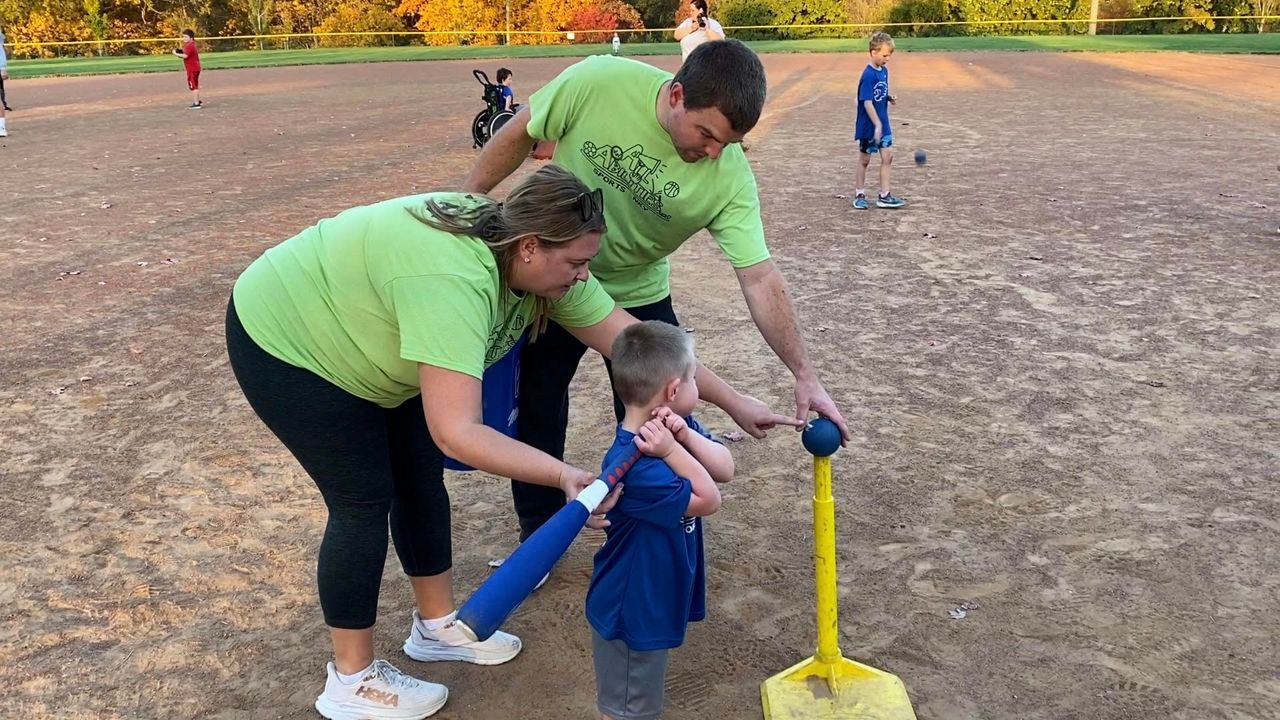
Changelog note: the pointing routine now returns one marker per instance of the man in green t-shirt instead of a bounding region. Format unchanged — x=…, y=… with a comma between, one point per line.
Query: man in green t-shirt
x=665, y=152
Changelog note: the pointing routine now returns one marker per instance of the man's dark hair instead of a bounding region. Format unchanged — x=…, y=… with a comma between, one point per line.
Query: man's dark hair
x=190, y=33
x=728, y=76
x=503, y=74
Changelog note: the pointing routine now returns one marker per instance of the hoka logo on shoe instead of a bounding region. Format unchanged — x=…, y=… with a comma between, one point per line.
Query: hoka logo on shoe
x=389, y=699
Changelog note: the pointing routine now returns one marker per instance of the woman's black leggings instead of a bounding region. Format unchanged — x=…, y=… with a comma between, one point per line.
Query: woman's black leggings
x=369, y=462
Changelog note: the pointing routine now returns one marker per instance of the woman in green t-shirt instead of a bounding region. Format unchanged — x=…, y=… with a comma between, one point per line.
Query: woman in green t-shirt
x=333, y=336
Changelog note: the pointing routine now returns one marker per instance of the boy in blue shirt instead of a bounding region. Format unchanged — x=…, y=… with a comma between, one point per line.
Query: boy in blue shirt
x=649, y=580
x=872, y=132
x=508, y=93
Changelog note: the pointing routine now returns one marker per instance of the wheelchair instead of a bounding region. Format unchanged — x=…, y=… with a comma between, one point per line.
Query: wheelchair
x=489, y=120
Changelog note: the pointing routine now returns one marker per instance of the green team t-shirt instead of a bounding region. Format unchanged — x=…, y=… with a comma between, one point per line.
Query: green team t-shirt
x=361, y=298
x=601, y=112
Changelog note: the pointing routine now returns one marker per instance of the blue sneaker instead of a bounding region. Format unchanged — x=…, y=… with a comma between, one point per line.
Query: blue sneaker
x=889, y=201
x=860, y=203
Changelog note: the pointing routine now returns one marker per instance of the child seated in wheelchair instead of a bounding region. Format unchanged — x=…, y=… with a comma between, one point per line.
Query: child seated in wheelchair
x=542, y=149
x=500, y=106
x=508, y=100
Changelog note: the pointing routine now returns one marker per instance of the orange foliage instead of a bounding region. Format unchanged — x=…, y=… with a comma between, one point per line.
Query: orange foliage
x=606, y=15
x=559, y=16
x=450, y=15
x=41, y=26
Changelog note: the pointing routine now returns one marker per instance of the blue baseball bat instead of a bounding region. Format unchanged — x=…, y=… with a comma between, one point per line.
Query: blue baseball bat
x=513, y=581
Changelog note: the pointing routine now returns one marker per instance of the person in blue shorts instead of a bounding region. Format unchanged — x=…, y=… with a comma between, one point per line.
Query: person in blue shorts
x=649, y=581
x=873, y=133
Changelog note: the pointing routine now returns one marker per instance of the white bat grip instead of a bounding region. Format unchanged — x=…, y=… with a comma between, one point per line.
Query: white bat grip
x=593, y=495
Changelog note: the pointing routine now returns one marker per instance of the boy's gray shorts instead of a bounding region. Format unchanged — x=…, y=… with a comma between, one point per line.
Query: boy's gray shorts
x=629, y=682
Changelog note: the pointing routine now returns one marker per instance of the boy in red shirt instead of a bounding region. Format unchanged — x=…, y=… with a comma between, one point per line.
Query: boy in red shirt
x=191, y=61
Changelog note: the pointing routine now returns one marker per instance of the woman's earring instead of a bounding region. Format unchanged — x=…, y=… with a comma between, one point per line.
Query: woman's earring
x=528, y=259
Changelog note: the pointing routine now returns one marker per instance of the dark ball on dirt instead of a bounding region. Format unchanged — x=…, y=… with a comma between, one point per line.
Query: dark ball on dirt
x=921, y=157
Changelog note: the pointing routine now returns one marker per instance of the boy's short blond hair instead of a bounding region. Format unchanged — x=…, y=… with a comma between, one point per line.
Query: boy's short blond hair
x=880, y=39
x=648, y=355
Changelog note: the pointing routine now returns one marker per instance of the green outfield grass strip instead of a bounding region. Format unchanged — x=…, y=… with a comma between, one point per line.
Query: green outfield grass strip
x=1201, y=43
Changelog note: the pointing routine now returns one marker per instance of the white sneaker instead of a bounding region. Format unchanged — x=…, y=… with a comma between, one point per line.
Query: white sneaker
x=384, y=693
x=449, y=643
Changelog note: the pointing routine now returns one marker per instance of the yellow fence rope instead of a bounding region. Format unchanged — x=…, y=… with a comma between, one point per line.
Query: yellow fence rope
x=625, y=31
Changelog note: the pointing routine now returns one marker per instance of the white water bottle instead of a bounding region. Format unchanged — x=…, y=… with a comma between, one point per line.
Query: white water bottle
x=617, y=43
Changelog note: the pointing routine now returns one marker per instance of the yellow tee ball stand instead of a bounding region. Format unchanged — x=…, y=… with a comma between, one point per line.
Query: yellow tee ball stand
x=828, y=685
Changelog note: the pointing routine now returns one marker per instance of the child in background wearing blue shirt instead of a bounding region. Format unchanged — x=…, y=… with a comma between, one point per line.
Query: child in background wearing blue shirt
x=542, y=149
x=872, y=131
x=508, y=93
x=649, y=580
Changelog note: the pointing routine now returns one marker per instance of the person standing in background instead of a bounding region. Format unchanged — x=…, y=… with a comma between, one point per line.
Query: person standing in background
x=191, y=61
x=4, y=75
x=697, y=29
x=872, y=129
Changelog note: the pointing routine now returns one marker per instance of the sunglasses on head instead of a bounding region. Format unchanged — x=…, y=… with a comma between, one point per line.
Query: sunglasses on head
x=590, y=203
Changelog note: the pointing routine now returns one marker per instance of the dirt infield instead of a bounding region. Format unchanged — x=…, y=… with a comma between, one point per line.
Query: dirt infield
x=1061, y=361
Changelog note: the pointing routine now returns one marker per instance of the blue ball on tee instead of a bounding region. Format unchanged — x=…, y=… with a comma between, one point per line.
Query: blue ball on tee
x=821, y=437
x=921, y=157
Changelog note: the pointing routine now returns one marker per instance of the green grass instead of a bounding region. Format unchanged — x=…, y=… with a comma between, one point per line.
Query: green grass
x=1200, y=43
x=1203, y=43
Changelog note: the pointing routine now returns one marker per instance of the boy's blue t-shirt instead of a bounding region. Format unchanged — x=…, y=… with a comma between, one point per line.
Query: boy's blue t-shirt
x=649, y=580
x=507, y=92
x=873, y=86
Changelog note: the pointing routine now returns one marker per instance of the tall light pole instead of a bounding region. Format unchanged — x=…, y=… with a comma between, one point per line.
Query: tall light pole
x=509, y=20
x=1093, y=18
